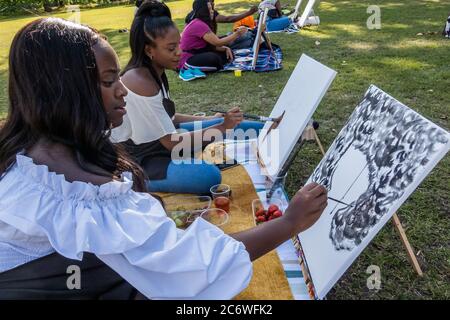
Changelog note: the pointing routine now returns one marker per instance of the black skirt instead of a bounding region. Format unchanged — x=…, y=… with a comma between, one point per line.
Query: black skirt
x=153, y=157
x=47, y=277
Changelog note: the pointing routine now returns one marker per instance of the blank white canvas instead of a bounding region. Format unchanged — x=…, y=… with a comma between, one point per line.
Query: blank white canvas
x=350, y=180
x=306, y=13
x=259, y=36
x=302, y=94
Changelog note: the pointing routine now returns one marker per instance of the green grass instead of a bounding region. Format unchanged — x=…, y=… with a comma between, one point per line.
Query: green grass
x=414, y=69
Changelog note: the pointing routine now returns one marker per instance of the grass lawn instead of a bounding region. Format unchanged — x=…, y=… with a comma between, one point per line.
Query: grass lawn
x=414, y=69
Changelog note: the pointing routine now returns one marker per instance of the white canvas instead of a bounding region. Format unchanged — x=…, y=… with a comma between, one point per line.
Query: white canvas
x=259, y=36
x=296, y=10
x=306, y=13
x=378, y=159
x=302, y=94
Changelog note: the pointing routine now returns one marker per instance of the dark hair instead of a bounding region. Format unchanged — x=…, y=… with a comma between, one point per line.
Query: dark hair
x=200, y=11
x=152, y=20
x=54, y=93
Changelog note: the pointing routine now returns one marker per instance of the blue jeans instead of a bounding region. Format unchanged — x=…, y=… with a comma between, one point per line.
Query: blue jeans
x=278, y=24
x=191, y=177
x=187, y=178
x=244, y=125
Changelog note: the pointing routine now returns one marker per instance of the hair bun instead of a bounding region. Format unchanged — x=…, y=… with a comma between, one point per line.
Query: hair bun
x=154, y=9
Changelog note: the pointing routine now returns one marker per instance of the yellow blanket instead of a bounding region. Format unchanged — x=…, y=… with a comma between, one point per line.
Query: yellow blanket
x=269, y=280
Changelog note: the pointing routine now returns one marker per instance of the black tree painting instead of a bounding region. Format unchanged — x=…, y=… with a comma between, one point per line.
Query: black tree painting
x=396, y=143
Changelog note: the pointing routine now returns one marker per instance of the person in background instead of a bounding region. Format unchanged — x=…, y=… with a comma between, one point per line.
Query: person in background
x=202, y=48
x=244, y=19
x=220, y=18
x=149, y=129
x=276, y=21
x=446, y=31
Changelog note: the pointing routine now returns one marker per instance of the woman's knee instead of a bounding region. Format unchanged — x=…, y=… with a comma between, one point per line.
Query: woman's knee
x=193, y=178
x=199, y=178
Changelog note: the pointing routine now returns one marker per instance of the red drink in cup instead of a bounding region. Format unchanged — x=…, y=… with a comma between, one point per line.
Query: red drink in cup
x=222, y=203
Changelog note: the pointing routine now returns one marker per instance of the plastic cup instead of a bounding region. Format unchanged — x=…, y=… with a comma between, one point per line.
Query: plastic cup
x=222, y=203
x=237, y=73
x=220, y=190
x=217, y=217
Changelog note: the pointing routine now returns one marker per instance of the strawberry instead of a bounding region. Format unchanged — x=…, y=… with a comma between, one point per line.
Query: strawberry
x=271, y=218
x=272, y=208
x=260, y=219
x=277, y=214
x=260, y=212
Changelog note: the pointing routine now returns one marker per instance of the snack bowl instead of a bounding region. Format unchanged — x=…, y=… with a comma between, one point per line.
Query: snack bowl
x=266, y=210
x=185, y=209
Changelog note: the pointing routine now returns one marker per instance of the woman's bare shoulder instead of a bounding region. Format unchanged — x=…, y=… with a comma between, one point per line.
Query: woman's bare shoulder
x=141, y=82
x=67, y=165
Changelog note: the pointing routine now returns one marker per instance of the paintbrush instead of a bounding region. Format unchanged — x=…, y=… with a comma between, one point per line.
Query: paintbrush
x=251, y=116
x=336, y=200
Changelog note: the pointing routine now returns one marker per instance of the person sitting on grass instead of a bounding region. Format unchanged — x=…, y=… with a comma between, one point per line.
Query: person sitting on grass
x=202, y=48
x=220, y=18
x=149, y=129
x=74, y=203
x=276, y=21
x=446, y=31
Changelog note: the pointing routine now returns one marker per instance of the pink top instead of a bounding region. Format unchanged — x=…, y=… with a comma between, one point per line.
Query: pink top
x=192, y=38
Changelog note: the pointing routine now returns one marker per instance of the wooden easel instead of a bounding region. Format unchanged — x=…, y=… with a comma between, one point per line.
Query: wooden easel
x=311, y=134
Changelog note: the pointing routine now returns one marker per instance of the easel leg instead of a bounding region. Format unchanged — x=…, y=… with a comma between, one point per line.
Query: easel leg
x=411, y=256
x=395, y=220
x=316, y=137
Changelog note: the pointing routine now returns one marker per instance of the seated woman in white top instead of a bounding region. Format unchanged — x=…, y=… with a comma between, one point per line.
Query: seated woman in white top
x=69, y=196
x=148, y=131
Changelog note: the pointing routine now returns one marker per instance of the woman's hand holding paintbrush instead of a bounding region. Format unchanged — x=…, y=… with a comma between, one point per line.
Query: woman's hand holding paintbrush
x=306, y=206
x=232, y=118
x=252, y=117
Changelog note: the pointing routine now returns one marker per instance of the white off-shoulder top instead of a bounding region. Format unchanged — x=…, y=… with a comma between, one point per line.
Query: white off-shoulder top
x=41, y=212
x=146, y=119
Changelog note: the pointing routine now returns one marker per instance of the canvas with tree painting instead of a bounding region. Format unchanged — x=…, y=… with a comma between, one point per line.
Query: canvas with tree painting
x=378, y=159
